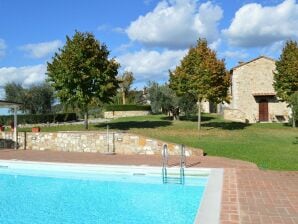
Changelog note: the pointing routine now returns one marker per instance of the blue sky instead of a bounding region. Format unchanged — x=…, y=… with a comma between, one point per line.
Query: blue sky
x=147, y=37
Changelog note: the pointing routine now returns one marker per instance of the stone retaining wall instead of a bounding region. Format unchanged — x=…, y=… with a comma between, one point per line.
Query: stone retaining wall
x=235, y=115
x=117, y=114
x=117, y=142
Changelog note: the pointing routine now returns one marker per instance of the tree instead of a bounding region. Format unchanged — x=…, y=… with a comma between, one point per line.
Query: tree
x=286, y=74
x=82, y=74
x=202, y=75
x=14, y=92
x=294, y=103
x=36, y=99
x=163, y=99
x=187, y=104
x=125, y=83
x=39, y=98
x=155, y=97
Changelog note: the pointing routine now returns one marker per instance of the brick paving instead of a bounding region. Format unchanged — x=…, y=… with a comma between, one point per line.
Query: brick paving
x=250, y=195
x=268, y=197
x=230, y=208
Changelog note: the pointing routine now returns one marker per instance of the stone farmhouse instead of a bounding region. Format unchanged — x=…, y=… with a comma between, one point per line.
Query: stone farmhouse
x=252, y=95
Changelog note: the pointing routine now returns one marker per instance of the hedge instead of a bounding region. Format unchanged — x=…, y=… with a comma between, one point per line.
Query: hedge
x=38, y=118
x=127, y=107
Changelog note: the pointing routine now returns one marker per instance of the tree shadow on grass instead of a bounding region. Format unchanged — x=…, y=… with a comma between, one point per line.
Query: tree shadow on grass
x=226, y=125
x=127, y=125
x=295, y=141
x=288, y=124
x=167, y=118
x=190, y=118
x=195, y=118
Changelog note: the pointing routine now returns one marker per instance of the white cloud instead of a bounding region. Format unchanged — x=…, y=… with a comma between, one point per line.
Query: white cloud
x=124, y=47
x=26, y=75
x=118, y=30
x=255, y=25
x=273, y=50
x=2, y=48
x=40, y=50
x=214, y=45
x=176, y=24
x=147, y=2
x=234, y=54
x=102, y=27
x=109, y=28
x=151, y=65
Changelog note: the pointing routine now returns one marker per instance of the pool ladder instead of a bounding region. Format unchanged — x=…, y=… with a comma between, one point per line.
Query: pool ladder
x=165, y=159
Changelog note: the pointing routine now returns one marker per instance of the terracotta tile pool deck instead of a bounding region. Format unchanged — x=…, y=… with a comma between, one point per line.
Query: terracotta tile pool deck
x=250, y=195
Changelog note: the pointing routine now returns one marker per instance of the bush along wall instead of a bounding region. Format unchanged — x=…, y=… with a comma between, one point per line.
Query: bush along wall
x=39, y=118
x=127, y=107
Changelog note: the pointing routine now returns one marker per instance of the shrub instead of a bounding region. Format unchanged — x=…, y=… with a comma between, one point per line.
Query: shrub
x=127, y=107
x=39, y=118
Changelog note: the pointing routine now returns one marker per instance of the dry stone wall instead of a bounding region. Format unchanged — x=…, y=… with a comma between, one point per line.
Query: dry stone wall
x=115, y=142
x=235, y=115
x=117, y=114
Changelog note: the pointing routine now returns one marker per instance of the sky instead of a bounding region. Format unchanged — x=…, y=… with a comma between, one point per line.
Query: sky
x=147, y=37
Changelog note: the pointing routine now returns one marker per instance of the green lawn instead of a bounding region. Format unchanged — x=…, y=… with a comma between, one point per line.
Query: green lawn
x=270, y=146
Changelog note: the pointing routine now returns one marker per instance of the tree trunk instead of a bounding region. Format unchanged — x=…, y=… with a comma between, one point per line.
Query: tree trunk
x=123, y=97
x=176, y=113
x=199, y=115
x=86, y=119
x=177, y=116
x=294, y=118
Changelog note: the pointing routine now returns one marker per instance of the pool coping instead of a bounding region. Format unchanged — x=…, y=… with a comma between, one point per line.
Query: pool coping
x=83, y=167
x=211, y=200
x=211, y=197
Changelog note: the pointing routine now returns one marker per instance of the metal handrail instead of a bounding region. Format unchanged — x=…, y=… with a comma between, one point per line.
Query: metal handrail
x=165, y=155
x=165, y=160
x=182, y=176
x=182, y=163
x=182, y=156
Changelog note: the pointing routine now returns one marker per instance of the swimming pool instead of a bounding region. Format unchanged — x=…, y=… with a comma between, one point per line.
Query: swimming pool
x=74, y=193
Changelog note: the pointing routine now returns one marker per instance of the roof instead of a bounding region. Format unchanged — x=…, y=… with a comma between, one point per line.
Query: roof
x=9, y=104
x=245, y=63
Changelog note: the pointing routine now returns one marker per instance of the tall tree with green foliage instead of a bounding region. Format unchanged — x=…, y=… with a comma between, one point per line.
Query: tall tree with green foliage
x=36, y=99
x=39, y=98
x=126, y=81
x=286, y=74
x=202, y=75
x=82, y=73
x=14, y=92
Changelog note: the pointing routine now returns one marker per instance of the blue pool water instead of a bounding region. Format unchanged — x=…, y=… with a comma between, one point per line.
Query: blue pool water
x=29, y=198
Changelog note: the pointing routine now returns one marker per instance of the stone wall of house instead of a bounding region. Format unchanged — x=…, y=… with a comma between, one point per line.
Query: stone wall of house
x=235, y=115
x=205, y=107
x=117, y=142
x=117, y=114
x=278, y=112
x=255, y=77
